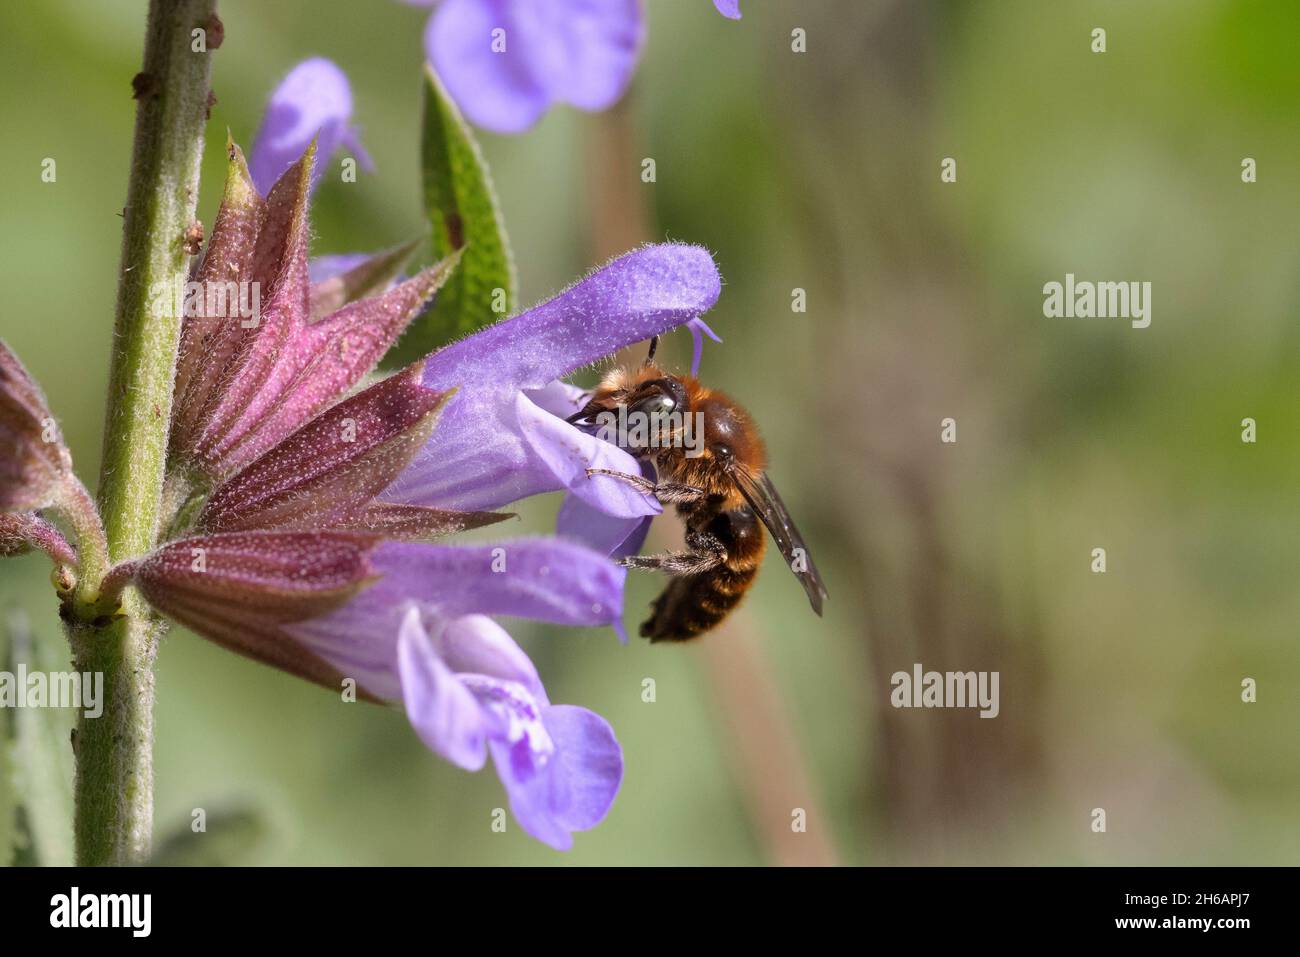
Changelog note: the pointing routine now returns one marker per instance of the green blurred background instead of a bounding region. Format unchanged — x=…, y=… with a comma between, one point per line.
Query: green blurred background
x=818, y=171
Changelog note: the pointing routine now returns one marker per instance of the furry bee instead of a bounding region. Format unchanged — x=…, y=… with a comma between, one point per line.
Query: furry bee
x=719, y=484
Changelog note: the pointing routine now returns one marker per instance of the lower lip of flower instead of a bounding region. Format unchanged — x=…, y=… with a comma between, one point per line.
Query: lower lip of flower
x=510, y=701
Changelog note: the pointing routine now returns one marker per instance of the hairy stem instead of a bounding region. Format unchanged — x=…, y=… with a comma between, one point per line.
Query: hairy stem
x=114, y=786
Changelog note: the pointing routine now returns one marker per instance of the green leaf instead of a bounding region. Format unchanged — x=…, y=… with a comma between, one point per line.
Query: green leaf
x=37, y=757
x=463, y=213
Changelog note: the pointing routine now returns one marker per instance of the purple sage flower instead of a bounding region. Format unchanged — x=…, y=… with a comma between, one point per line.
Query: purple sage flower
x=314, y=102
x=304, y=519
x=506, y=62
x=503, y=435
x=421, y=636
x=407, y=623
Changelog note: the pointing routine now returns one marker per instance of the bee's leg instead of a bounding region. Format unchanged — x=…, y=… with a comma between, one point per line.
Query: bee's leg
x=676, y=563
x=705, y=553
x=669, y=493
x=639, y=481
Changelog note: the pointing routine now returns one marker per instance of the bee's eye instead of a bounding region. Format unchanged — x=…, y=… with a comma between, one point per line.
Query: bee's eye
x=722, y=451
x=657, y=404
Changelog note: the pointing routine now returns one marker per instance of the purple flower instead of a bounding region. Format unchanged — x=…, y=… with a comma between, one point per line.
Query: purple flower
x=728, y=8
x=407, y=623
x=506, y=62
x=421, y=636
x=314, y=102
x=502, y=436
x=306, y=540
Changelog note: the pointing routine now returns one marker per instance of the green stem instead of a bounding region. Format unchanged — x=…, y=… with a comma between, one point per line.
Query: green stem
x=114, y=786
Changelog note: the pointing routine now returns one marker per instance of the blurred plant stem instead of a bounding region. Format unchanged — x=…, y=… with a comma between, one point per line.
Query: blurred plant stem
x=619, y=218
x=114, y=782
x=793, y=829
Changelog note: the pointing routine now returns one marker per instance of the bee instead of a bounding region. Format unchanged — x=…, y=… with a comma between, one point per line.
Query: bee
x=717, y=480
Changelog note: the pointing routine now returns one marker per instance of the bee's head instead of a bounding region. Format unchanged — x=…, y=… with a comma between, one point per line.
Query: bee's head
x=639, y=410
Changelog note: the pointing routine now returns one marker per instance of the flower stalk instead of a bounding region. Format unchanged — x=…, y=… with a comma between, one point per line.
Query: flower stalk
x=114, y=783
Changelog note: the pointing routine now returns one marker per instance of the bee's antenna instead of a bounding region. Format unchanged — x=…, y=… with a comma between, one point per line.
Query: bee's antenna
x=654, y=344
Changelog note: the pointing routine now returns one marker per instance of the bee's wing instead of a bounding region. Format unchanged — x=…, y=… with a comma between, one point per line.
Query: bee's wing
x=766, y=502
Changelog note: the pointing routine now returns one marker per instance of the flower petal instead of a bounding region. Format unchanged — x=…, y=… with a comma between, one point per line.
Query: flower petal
x=476, y=459
x=582, y=52
x=313, y=102
x=545, y=579
x=639, y=295
x=359, y=639
x=495, y=90
x=574, y=788
x=607, y=534
x=476, y=644
x=728, y=8
x=559, y=398
x=568, y=452
x=494, y=446
x=445, y=714
x=479, y=457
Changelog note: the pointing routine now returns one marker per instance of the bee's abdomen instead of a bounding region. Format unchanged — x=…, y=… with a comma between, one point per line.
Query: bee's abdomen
x=694, y=604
